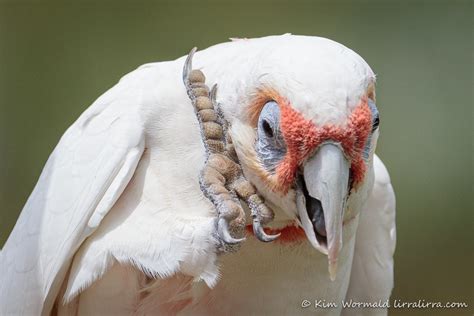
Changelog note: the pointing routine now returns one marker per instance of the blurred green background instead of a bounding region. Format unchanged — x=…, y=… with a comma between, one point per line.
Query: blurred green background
x=56, y=58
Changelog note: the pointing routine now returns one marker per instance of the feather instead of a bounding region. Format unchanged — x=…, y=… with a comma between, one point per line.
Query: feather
x=82, y=179
x=372, y=267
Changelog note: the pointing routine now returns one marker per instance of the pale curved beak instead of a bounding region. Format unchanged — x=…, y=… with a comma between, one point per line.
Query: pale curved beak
x=320, y=199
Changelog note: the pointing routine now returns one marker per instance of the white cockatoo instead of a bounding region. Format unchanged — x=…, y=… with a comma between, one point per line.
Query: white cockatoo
x=155, y=199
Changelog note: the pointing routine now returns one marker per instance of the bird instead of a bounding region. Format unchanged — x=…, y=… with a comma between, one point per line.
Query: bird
x=240, y=179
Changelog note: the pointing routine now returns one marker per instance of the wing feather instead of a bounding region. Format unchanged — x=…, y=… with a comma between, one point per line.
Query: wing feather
x=372, y=267
x=82, y=179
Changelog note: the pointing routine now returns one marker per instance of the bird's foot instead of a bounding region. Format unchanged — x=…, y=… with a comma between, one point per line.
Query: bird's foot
x=222, y=180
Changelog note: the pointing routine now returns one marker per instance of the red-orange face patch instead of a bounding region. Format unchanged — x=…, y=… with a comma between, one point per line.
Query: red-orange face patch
x=302, y=137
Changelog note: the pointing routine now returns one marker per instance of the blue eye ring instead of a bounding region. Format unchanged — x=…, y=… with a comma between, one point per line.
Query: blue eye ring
x=269, y=120
x=270, y=145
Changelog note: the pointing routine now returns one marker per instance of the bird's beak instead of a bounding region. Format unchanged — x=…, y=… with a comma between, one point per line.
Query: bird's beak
x=321, y=195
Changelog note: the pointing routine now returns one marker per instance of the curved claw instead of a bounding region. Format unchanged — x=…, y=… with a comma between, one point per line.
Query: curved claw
x=188, y=65
x=260, y=233
x=223, y=232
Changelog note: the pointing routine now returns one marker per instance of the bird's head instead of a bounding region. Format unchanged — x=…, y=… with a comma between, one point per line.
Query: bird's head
x=305, y=131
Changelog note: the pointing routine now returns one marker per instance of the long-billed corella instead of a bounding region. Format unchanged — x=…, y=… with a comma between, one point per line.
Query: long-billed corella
x=156, y=200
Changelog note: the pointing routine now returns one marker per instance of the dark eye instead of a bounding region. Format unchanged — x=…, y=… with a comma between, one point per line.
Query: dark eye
x=375, y=124
x=267, y=129
x=375, y=114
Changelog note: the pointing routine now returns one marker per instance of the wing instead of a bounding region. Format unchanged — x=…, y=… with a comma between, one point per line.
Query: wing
x=372, y=267
x=82, y=179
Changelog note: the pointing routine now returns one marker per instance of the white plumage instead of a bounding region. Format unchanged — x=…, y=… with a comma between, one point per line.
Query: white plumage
x=117, y=223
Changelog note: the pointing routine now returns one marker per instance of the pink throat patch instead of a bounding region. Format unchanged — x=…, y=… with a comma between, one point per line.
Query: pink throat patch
x=289, y=234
